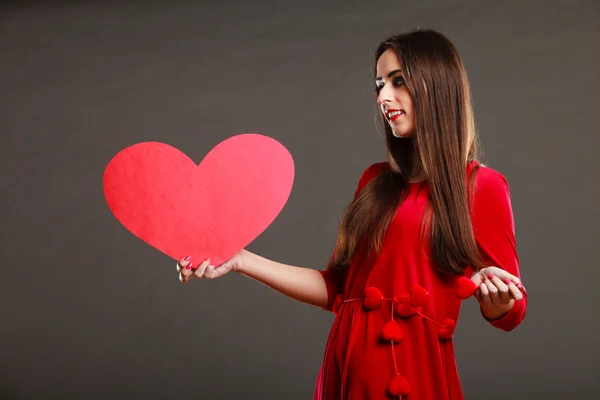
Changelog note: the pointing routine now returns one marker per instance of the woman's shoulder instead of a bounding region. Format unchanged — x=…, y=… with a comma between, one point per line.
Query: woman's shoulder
x=373, y=170
x=488, y=178
x=376, y=168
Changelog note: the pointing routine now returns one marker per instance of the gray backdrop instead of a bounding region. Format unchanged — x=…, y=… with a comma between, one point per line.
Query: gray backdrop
x=89, y=311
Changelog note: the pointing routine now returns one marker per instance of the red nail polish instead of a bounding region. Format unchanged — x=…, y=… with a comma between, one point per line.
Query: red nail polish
x=189, y=266
x=490, y=276
x=187, y=258
x=507, y=281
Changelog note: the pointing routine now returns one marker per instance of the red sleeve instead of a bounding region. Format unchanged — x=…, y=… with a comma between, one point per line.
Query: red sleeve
x=335, y=278
x=494, y=229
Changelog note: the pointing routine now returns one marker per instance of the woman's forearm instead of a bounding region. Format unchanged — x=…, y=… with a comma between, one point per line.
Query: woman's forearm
x=303, y=284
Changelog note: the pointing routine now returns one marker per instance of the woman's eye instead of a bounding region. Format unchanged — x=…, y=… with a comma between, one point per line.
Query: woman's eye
x=378, y=87
x=398, y=81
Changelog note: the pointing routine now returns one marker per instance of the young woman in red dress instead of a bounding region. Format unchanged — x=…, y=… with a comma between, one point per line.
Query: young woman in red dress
x=428, y=228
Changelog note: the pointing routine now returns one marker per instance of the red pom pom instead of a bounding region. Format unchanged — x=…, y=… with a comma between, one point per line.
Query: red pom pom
x=399, y=386
x=418, y=295
x=392, y=331
x=447, y=329
x=372, y=297
x=404, y=309
x=465, y=288
x=337, y=303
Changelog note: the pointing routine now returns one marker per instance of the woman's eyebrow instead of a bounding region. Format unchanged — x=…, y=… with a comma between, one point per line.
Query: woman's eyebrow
x=389, y=75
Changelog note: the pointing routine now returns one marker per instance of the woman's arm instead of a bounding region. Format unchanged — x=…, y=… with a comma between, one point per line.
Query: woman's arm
x=302, y=284
x=299, y=283
x=494, y=229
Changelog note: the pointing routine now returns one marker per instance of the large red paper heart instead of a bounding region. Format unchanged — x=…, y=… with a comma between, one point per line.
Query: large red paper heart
x=214, y=209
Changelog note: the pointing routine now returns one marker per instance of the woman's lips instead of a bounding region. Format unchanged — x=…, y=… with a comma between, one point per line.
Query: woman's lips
x=394, y=114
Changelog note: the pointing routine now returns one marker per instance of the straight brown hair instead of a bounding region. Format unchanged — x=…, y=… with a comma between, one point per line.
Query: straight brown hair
x=444, y=143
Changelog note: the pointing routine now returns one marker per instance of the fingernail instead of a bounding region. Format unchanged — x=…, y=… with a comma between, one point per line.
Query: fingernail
x=189, y=266
x=490, y=276
x=187, y=258
x=507, y=281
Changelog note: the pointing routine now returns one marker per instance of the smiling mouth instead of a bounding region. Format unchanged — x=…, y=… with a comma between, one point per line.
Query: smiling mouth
x=393, y=114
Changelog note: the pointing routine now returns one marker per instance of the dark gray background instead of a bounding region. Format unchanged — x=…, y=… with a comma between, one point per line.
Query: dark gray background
x=89, y=311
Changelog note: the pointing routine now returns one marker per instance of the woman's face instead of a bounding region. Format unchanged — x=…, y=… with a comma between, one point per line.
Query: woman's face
x=393, y=97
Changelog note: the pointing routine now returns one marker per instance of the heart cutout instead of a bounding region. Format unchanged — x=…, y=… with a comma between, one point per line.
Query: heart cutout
x=392, y=331
x=399, y=386
x=465, y=288
x=213, y=209
x=418, y=295
x=446, y=330
x=373, y=297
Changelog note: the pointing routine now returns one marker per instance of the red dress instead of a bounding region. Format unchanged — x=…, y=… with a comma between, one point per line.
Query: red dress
x=392, y=335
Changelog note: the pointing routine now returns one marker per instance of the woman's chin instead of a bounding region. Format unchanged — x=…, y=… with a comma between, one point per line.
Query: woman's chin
x=402, y=135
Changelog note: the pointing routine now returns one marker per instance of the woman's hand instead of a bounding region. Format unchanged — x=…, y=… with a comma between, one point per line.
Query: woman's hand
x=187, y=268
x=497, y=291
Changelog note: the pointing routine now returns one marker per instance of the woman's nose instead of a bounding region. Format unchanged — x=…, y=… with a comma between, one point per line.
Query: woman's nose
x=385, y=96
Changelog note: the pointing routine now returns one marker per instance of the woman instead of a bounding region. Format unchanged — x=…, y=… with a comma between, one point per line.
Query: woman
x=438, y=228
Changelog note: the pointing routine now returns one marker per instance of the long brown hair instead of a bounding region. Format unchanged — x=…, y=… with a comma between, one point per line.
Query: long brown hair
x=444, y=143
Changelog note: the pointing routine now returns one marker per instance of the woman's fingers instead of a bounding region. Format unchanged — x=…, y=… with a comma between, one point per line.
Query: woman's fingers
x=485, y=294
x=186, y=269
x=199, y=273
x=503, y=292
x=184, y=266
x=187, y=273
x=182, y=263
x=497, y=287
x=493, y=290
x=205, y=270
x=508, y=285
x=212, y=272
x=503, y=275
x=514, y=291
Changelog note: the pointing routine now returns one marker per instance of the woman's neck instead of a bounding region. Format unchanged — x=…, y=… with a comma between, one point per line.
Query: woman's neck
x=416, y=175
x=416, y=179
